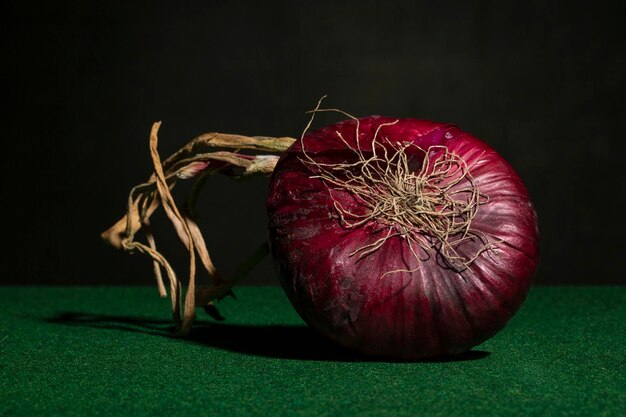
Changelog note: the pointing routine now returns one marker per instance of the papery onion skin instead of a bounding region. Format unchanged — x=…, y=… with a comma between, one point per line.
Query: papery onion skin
x=427, y=313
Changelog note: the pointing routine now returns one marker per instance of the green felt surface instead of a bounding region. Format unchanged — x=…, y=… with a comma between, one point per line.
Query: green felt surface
x=106, y=351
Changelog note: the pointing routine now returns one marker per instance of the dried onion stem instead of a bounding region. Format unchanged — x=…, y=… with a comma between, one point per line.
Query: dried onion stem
x=145, y=198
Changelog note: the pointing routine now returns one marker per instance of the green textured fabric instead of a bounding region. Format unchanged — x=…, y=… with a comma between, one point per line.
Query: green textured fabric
x=107, y=351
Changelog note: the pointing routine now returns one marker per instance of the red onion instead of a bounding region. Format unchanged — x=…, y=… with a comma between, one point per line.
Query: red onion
x=394, y=237
x=355, y=267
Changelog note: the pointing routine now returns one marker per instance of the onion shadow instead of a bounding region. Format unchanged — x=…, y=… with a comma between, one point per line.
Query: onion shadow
x=295, y=342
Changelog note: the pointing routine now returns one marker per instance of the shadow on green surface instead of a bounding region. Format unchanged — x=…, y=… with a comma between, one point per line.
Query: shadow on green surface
x=275, y=341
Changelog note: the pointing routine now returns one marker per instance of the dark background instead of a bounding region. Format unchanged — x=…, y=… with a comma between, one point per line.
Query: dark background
x=541, y=82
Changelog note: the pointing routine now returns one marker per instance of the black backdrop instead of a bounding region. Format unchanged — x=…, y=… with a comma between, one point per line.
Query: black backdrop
x=541, y=82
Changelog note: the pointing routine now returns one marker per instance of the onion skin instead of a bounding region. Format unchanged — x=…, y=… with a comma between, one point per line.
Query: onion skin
x=431, y=312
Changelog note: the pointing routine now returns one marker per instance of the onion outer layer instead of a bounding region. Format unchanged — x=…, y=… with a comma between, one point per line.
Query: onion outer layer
x=427, y=309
